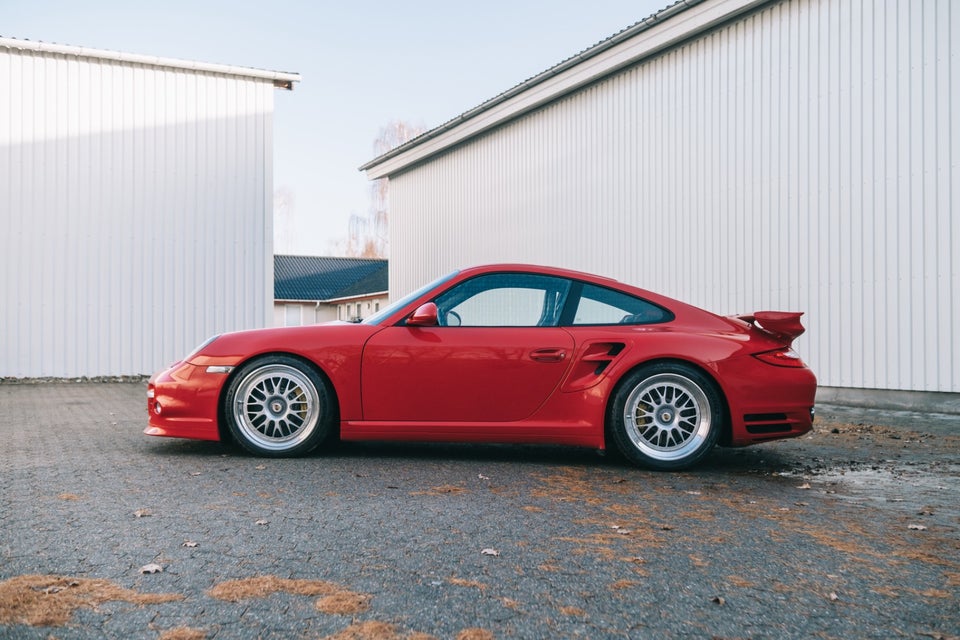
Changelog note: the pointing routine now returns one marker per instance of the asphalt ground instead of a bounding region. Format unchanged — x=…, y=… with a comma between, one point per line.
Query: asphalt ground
x=850, y=532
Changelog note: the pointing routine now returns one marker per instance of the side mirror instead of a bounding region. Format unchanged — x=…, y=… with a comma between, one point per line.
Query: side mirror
x=426, y=315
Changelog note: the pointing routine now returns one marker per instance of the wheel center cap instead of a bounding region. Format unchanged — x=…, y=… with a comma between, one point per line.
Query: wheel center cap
x=277, y=406
x=666, y=417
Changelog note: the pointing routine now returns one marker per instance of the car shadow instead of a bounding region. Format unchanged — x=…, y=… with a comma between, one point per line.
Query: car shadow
x=748, y=460
x=461, y=452
x=758, y=460
x=173, y=447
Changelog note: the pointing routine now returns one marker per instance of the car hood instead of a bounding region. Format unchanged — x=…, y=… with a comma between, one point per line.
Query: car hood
x=230, y=348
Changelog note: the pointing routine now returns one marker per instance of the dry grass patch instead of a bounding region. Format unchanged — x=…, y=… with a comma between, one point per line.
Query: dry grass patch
x=460, y=582
x=620, y=585
x=569, y=485
x=850, y=431
x=782, y=587
x=376, y=630
x=852, y=540
x=930, y=551
x=705, y=514
x=344, y=603
x=369, y=630
x=743, y=583
x=183, y=633
x=442, y=490
x=336, y=599
x=475, y=634
x=932, y=593
x=573, y=611
x=50, y=600
x=263, y=586
x=599, y=545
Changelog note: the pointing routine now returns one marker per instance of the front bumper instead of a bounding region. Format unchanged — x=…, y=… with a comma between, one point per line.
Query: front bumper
x=183, y=402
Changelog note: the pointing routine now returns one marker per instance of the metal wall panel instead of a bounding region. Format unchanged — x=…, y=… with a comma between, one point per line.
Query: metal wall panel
x=135, y=212
x=803, y=157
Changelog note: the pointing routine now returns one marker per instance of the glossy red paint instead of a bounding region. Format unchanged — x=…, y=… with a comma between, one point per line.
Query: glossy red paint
x=428, y=380
x=462, y=374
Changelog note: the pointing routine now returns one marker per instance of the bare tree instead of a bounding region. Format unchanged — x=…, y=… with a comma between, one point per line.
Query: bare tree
x=369, y=237
x=283, y=214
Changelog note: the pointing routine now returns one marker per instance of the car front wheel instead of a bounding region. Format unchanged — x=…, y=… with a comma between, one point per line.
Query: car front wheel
x=666, y=416
x=279, y=406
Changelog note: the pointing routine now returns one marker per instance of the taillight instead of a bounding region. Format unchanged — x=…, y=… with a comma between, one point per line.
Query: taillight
x=784, y=357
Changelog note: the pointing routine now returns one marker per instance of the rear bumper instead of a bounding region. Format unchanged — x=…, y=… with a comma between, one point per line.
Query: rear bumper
x=767, y=402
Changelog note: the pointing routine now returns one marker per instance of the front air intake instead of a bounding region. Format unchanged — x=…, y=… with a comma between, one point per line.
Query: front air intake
x=762, y=423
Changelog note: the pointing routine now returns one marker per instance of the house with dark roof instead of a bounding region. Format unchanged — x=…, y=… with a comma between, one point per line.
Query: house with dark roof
x=312, y=289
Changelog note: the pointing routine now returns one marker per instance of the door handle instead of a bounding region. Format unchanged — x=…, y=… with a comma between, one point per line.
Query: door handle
x=548, y=355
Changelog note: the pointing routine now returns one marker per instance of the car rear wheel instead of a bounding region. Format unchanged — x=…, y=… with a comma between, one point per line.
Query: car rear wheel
x=279, y=406
x=666, y=416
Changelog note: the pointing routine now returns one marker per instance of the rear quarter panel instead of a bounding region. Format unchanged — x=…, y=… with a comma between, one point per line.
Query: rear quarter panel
x=724, y=352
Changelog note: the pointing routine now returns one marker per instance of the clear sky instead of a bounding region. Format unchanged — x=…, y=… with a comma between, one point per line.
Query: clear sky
x=363, y=64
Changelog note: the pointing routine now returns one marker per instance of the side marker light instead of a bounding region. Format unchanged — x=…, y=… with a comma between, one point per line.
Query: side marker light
x=216, y=368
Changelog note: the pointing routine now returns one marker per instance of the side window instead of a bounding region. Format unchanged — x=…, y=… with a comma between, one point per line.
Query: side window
x=504, y=300
x=599, y=305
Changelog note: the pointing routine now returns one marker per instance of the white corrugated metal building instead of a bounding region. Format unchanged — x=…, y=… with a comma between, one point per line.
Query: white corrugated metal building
x=737, y=154
x=136, y=205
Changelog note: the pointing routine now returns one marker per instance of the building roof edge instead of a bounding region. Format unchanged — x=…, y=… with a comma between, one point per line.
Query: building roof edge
x=658, y=32
x=281, y=79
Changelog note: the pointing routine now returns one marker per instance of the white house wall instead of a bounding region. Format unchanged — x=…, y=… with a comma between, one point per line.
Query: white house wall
x=801, y=158
x=135, y=212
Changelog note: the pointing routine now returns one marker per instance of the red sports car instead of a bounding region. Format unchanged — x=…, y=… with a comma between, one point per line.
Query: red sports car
x=501, y=353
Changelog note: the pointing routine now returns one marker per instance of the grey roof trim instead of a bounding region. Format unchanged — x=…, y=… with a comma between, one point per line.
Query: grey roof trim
x=359, y=296
x=281, y=79
x=664, y=29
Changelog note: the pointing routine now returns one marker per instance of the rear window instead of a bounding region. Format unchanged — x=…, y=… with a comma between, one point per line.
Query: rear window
x=599, y=305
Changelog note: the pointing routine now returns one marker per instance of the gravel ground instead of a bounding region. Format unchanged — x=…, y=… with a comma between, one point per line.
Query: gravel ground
x=850, y=532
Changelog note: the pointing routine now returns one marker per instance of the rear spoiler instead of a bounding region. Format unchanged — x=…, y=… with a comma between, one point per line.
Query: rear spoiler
x=781, y=324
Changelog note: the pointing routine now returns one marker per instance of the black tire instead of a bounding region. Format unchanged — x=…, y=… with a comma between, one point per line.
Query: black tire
x=666, y=416
x=278, y=406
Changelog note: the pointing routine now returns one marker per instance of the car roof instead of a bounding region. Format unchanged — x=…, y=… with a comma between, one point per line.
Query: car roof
x=535, y=268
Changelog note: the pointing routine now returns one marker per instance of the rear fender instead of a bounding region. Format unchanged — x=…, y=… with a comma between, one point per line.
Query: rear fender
x=725, y=433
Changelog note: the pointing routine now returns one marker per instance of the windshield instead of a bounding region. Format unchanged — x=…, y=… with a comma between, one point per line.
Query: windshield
x=390, y=309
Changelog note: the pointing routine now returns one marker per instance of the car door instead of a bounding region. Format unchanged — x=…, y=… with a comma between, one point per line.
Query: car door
x=496, y=355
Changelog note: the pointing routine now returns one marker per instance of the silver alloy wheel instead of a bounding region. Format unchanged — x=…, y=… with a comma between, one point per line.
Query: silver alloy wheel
x=667, y=416
x=276, y=407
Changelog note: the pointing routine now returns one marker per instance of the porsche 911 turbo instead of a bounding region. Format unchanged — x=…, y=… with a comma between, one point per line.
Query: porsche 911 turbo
x=501, y=354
